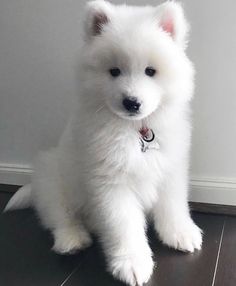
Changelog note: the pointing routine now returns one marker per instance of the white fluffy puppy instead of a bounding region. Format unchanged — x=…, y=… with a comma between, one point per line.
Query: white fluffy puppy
x=124, y=154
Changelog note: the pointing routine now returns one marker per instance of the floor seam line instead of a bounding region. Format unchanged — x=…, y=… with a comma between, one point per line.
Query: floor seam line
x=69, y=276
x=218, y=254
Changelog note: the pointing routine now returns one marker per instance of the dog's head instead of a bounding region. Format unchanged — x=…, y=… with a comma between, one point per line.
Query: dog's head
x=134, y=58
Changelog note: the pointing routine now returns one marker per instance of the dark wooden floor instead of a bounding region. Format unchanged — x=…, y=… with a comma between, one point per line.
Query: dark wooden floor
x=26, y=259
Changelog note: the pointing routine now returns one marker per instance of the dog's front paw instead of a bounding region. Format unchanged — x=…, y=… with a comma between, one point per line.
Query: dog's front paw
x=133, y=269
x=186, y=236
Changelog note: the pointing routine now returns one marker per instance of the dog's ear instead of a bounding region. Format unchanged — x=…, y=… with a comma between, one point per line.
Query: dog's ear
x=172, y=20
x=97, y=16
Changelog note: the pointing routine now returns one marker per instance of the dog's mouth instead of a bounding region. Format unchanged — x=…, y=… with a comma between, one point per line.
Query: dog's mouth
x=133, y=114
x=123, y=113
x=128, y=115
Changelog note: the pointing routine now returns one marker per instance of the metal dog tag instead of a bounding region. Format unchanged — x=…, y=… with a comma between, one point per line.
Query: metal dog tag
x=148, y=140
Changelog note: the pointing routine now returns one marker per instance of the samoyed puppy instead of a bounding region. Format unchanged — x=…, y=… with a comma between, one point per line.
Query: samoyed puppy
x=124, y=154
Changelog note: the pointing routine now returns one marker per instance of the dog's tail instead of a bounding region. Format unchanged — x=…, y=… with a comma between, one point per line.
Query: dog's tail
x=20, y=200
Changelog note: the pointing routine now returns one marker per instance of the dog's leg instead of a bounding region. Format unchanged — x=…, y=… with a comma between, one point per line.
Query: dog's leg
x=172, y=217
x=51, y=200
x=121, y=228
x=59, y=216
x=68, y=230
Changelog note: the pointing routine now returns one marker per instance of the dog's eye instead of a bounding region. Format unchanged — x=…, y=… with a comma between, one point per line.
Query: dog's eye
x=149, y=71
x=115, y=72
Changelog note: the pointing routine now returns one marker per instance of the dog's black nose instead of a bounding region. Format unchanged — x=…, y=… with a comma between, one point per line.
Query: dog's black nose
x=131, y=104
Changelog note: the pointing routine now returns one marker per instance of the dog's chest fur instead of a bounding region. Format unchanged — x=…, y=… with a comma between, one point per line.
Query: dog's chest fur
x=110, y=153
x=99, y=149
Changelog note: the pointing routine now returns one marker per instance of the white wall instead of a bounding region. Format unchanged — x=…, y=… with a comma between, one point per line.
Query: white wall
x=213, y=50
x=39, y=47
x=38, y=52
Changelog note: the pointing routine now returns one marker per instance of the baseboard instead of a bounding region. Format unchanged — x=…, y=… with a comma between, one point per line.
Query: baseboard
x=219, y=191
x=15, y=174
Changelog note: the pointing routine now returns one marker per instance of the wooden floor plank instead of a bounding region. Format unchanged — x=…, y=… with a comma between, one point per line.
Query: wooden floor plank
x=213, y=208
x=4, y=198
x=92, y=270
x=226, y=270
x=8, y=188
x=180, y=269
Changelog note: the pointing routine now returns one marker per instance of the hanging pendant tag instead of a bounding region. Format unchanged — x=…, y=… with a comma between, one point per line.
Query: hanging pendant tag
x=148, y=140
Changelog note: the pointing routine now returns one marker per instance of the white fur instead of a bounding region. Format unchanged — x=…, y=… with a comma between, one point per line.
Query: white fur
x=97, y=179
